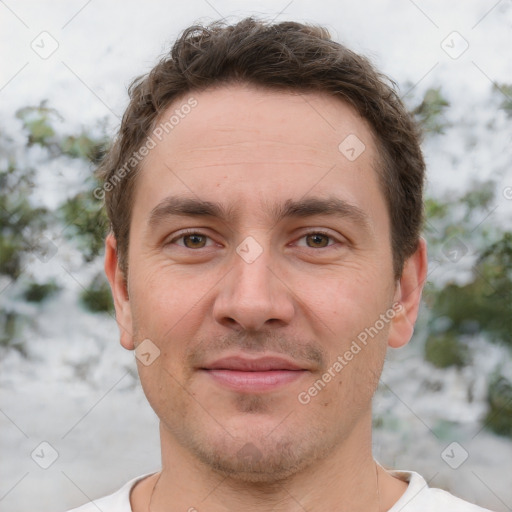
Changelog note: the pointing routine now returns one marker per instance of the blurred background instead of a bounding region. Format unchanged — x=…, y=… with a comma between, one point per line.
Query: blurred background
x=74, y=422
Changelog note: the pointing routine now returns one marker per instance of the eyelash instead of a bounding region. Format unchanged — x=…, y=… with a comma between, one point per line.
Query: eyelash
x=194, y=232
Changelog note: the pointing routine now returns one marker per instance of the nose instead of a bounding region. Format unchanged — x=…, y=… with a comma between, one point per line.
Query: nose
x=253, y=295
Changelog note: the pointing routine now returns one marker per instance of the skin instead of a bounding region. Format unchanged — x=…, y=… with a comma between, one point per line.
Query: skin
x=305, y=296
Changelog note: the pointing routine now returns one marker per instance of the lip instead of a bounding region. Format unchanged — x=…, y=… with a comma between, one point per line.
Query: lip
x=253, y=375
x=259, y=364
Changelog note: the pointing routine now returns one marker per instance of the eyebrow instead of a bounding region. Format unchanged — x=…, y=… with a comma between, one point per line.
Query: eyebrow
x=302, y=208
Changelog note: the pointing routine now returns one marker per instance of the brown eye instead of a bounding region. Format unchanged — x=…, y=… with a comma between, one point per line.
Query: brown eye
x=318, y=240
x=195, y=241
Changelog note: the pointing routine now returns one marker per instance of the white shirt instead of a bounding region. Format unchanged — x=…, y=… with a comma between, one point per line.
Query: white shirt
x=417, y=498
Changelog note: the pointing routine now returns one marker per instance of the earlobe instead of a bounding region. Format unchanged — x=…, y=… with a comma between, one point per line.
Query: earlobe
x=408, y=295
x=118, y=285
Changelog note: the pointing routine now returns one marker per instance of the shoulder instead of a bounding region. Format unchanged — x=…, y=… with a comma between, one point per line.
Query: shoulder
x=119, y=501
x=419, y=497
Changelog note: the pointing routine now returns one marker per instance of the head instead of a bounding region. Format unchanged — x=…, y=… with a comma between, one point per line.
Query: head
x=265, y=198
x=283, y=57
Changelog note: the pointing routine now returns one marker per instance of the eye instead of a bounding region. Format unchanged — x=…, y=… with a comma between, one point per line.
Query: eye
x=197, y=240
x=191, y=240
x=317, y=239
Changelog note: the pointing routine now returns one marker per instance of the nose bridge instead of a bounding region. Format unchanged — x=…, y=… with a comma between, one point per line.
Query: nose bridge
x=252, y=295
x=252, y=272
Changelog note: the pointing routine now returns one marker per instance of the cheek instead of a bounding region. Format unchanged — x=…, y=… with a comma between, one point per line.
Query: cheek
x=161, y=300
x=164, y=390
x=168, y=310
x=164, y=314
x=345, y=297
x=346, y=311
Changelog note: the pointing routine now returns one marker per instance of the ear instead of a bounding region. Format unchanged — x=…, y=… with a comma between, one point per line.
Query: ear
x=119, y=289
x=408, y=295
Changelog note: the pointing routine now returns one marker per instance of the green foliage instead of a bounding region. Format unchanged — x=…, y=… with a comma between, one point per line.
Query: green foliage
x=97, y=296
x=485, y=303
x=506, y=91
x=455, y=215
x=480, y=196
x=435, y=209
x=429, y=112
x=22, y=225
x=38, y=292
x=39, y=123
x=19, y=221
x=87, y=223
x=82, y=212
x=446, y=350
x=499, y=398
x=9, y=328
x=10, y=255
x=84, y=147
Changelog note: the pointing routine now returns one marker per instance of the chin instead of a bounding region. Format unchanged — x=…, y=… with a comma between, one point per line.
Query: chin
x=252, y=465
x=266, y=460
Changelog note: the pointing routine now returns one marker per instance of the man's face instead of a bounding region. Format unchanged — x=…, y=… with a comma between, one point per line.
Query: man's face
x=272, y=279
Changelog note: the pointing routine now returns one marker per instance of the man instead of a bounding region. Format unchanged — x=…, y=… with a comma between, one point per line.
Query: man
x=265, y=199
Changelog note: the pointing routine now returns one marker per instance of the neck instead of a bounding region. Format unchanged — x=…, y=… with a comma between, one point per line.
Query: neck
x=348, y=479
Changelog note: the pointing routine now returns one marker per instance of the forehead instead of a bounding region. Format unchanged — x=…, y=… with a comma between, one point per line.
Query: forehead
x=239, y=142
x=239, y=114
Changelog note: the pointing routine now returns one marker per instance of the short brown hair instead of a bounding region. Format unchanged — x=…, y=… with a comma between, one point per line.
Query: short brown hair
x=290, y=56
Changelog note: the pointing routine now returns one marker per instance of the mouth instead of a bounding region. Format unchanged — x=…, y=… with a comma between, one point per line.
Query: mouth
x=253, y=375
